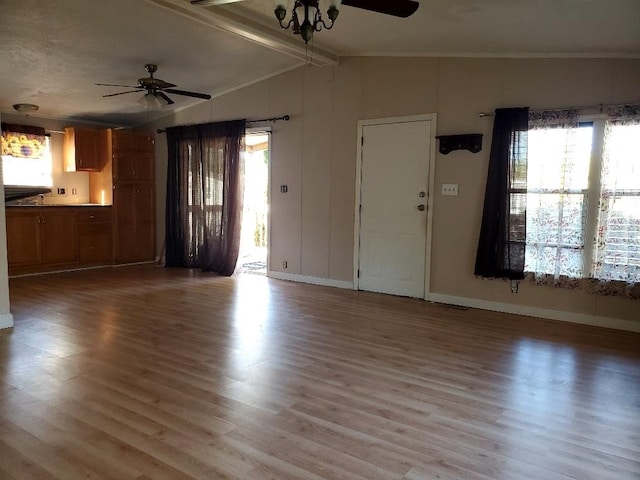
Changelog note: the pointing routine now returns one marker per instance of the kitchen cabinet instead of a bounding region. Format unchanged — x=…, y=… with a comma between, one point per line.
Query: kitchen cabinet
x=133, y=196
x=48, y=238
x=41, y=239
x=85, y=149
x=95, y=236
x=133, y=156
x=23, y=246
x=58, y=236
x=135, y=222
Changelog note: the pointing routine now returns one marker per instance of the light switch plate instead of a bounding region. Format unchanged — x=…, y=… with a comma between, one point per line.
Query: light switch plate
x=450, y=189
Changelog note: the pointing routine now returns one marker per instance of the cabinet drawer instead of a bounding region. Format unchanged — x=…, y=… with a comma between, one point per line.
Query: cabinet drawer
x=95, y=249
x=94, y=229
x=94, y=215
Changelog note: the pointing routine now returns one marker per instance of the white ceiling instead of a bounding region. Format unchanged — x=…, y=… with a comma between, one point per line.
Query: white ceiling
x=54, y=52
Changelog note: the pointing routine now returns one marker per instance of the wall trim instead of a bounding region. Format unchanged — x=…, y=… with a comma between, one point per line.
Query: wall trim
x=572, y=317
x=325, y=282
x=6, y=320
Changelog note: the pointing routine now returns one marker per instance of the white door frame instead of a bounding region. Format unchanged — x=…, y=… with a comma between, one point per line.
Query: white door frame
x=430, y=117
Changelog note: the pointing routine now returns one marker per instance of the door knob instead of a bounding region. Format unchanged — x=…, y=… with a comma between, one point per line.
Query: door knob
x=421, y=194
x=421, y=208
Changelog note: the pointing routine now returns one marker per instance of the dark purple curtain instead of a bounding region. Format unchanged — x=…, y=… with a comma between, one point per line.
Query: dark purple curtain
x=502, y=242
x=205, y=188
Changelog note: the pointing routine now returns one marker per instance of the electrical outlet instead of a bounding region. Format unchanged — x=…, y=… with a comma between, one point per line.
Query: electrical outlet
x=450, y=189
x=284, y=188
x=74, y=191
x=284, y=264
x=62, y=191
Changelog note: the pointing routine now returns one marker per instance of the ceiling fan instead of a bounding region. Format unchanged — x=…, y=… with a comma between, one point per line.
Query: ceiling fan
x=155, y=89
x=313, y=21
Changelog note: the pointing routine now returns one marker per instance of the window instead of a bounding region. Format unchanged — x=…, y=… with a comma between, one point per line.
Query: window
x=617, y=252
x=557, y=192
x=26, y=157
x=583, y=200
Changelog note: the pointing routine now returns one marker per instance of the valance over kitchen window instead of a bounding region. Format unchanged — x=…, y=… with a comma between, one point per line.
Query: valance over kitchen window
x=22, y=141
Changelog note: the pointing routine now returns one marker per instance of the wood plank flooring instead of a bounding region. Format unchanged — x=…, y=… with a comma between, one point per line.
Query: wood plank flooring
x=167, y=374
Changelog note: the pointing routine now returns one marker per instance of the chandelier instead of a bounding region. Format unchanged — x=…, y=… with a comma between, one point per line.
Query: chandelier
x=306, y=18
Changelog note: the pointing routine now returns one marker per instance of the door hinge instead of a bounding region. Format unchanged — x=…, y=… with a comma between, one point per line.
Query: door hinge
x=361, y=140
x=358, y=273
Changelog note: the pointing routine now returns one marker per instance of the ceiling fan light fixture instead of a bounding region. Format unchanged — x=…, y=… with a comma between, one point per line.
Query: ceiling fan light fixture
x=306, y=18
x=150, y=101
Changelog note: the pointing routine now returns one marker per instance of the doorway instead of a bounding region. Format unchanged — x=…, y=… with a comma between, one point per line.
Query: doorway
x=393, y=214
x=253, y=256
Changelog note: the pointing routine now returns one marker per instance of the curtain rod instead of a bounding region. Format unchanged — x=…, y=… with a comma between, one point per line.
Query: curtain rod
x=262, y=120
x=588, y=107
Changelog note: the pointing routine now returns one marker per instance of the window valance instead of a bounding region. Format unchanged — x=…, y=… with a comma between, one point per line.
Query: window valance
x=23, y=141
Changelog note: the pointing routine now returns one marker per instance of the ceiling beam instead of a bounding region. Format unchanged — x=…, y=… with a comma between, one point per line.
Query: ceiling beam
x=250, y=30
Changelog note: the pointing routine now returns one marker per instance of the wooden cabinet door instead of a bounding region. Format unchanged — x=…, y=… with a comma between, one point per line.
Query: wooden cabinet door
x=58, y=236
x=124, y=167
x=23, y=248
x=134, y=207
x=123, y=141
x=86, y=149
x=145, y=158
x=94, y=236
x=144, y=167
x=90, y=148
x=145, y=143
x=124, y=205
x=134, y=167
x=133, y=196
x=133, y=157
x=145, y=221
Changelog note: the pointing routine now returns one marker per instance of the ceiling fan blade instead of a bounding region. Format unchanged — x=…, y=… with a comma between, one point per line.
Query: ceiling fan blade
x=114, y=85
x=398, y=8
x=210, y=3
x=166, y=99
x=121, y=93
x=188, y=94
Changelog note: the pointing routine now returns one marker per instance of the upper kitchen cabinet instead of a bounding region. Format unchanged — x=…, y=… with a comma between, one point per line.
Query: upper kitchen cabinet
x=133, y=156
x=85, y=149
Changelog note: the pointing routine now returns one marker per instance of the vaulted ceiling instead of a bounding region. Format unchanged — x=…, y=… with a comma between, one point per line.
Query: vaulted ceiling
x=54, y=52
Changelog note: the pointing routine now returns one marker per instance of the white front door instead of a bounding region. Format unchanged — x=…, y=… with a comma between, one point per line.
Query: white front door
x=393, y=207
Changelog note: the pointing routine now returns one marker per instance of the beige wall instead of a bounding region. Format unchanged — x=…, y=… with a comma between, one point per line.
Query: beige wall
x=314, y=154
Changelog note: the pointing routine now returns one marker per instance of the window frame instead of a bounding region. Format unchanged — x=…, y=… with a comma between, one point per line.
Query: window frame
x=592, y=193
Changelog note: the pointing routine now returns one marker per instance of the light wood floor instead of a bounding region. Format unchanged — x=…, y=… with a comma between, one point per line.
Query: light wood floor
x=148, y=373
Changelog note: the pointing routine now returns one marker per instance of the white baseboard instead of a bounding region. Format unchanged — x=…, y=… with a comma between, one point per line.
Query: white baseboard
x=573, y=317
x=326, y=282
x=6, y=320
